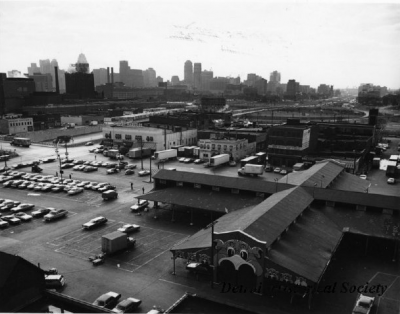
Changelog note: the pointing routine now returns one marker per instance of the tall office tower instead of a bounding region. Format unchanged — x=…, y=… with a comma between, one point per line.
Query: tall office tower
x=206, y=77
x=124, y=72
x=188, y=73
x=197, y=76
x=61, y=81
x=100, y=76
x=275, y=77
x=136, y=78
x=152, y=77
x=53, y=64
x=45, y=66
x=33, y=69
x=43, y=82
x=251, y=79
x=291, y=88
x=175, y=80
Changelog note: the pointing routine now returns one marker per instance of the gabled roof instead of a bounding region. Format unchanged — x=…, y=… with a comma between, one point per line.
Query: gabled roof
x=253, y=184
x=321, y=174
x=206, y=199
x=349, y=182
x=308, y=245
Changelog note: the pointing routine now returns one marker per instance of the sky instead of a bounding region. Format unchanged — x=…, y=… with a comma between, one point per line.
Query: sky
x=340, y=44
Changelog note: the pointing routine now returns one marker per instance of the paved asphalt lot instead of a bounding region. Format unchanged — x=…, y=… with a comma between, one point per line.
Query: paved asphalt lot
x=143, y=272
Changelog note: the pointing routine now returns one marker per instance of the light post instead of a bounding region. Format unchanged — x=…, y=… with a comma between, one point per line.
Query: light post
x=59, y=160
x=276, y=184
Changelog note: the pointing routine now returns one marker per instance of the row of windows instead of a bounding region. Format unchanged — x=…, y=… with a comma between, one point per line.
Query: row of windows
x=20, y=123
x=225, y=147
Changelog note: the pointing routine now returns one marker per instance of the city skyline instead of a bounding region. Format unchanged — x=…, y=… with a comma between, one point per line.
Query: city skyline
x=335, y=44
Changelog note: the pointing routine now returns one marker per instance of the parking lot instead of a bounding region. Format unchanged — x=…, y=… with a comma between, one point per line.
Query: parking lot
x=150, y=243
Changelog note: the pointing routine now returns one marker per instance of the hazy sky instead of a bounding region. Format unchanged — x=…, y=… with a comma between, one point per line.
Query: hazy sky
x=333, y=43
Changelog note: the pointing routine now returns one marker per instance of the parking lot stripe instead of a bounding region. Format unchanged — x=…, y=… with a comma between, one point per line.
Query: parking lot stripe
x=175, y=283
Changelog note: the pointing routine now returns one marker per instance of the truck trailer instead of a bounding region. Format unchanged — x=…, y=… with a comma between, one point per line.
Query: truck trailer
x=139, y=153
x=163, y=155
x=250, y=169
x=113, y=153
x=249, y=160
x=219, y=160
x=21, y=141
x=116, y=241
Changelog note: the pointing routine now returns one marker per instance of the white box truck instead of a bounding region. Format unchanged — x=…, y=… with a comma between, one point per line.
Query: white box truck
x=219, y=160
x=113, y=153
x=250, y=169
x=115, y=241
x=137, y=152
x=92, y=123
x=163, y=155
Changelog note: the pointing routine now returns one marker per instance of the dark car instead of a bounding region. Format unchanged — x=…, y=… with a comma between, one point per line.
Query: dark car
x=41, y=212
x=95, y=222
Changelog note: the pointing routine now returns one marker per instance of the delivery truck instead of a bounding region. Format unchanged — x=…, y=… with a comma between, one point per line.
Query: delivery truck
x=139, y=153
x=113, y=153
x=21, y=141
x=116, y=241
x=163, y=155
x=251, y=170
x=298, y=167
x=219, y=160
x=93, y=123
x=249, y=160
x=376, y=162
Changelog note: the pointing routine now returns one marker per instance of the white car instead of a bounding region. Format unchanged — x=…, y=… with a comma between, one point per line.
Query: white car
x=129, y=228
x=363, y=176
x=75, y=190
x=363, y=304
x=182, y=159
x=23, y=216
x=391, y=181
x=142, y=204
x=94, y=222
x=143, y=173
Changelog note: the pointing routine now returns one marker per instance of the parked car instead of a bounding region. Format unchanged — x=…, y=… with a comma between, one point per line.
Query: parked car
x=363, y=176
x=22, y=207
x=89, y=143
x=198, y=161
x=89, y=169
x=106, y=188
x=232, y=163
x=277, y=170
x=41, y=212
x=66, y=166
x=95, y=222
x=127, y=306
x=108, y=300
x=92, y=150
x=129, y=228
x=283, y=171
x=23, y=216
x=182, y=159
x=188, y=160
x=130, y=167
x=143, y=173
x=49, y=159
x=142, y=204
x=75, y=190
x=391, y=181
x=3, y=223
x=363, y=304
x=129, y=171
x=55, y=214
x=6, y=207
x=112, y=170
x=268, y=168
x=11, y=219
x=57, y=188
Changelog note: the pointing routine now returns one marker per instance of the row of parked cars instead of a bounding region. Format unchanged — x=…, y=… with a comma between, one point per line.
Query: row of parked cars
x=18, y=213
x=51, y=183
x=27, y=164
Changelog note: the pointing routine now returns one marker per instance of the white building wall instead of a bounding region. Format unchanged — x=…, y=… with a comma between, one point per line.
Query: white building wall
x=16, y=126
x=155, y=135
x=238, y=149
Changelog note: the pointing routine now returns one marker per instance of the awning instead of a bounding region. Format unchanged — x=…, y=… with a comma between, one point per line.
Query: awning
x=202, y=199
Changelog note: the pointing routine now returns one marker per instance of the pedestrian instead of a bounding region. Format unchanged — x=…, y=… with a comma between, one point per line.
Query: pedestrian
x=143, y=190
x=70, y=176
x=56, y=174
x=131, y=185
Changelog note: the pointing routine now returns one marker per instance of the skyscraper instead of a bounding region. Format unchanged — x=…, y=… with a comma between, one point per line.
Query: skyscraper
x=175, y=80
x=45, y=66
x=206, y=77
x=274, y=82
x=275, y=77
x=197, y=76
x=291, y=88
x=188, y=72
x=149, y=77
x=124, y=72
x=33, y=69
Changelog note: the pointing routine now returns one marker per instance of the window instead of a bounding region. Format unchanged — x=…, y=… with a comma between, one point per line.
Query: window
x=208, y=146
x=118, y=136
x=219, y=147
x=215, y=188
x=179, y=183
x=213, y=146
x=231, y=147
x=205, y=155
x=225, y=147
x=197, y=186
x=128, y=136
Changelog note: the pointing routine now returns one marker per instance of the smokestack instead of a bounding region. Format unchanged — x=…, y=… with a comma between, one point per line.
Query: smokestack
x=108, y=75
x=112, y=76
x=57, y=84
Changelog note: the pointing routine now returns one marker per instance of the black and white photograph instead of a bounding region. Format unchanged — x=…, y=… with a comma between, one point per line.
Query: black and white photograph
x=201, y=156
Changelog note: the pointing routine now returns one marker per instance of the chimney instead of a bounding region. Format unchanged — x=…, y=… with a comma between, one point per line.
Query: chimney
x=112, y=76
x=108, y=75
x=57, y=84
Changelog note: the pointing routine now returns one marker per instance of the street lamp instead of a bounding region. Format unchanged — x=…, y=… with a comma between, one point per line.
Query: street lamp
x=59, y=159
